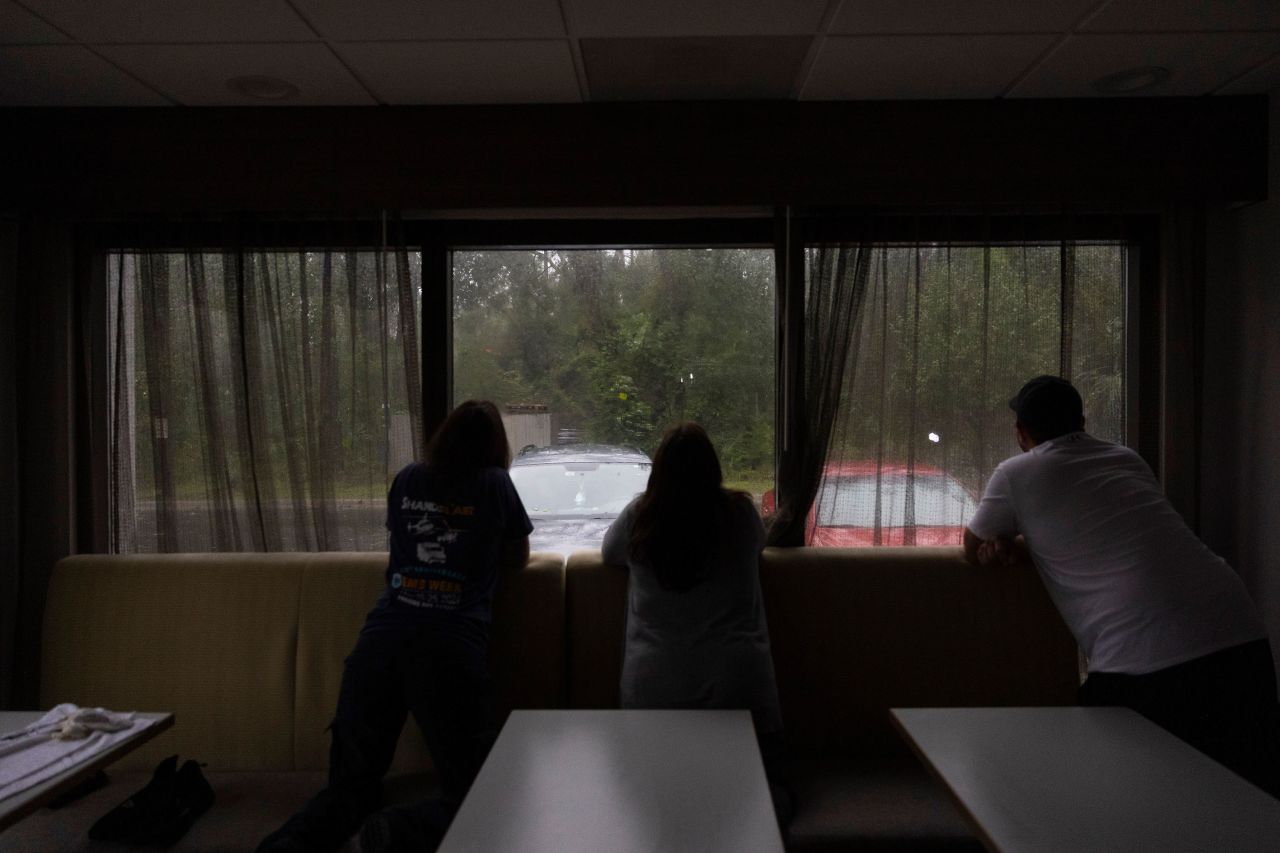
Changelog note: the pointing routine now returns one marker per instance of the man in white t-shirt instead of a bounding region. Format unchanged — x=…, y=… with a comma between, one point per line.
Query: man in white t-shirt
x=1167, y=626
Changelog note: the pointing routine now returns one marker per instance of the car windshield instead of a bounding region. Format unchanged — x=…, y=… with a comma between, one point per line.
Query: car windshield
x=851, y=501
x=579, y=488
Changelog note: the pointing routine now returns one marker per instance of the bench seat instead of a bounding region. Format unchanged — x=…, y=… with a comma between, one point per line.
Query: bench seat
x=247, y=650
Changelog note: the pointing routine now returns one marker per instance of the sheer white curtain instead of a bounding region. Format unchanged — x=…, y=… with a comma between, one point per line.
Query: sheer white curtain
x=946, y=334
x=260, y=399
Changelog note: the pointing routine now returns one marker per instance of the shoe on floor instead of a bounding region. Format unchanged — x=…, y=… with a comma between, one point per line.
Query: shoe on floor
x=162, y=811
x=399, y=829
x=125, y=820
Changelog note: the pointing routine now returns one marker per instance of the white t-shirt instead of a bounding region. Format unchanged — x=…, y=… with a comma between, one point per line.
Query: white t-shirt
x=1137, y=588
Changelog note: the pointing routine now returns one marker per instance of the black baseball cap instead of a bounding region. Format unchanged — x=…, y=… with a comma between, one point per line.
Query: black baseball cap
x=1049, y=405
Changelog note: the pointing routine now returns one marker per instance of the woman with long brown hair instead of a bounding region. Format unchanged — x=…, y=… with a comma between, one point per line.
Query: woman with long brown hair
x=696, y=635
x=455, y=522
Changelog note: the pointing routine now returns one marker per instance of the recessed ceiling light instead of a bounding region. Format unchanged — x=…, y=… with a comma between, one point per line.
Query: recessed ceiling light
x=263, y=88
x=1132, y=80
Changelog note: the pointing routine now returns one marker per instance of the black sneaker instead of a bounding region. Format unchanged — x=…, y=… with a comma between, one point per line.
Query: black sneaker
x=125, y=820
x=191, y=797
x=417, y=828
x=162, y=811
x=284, y=840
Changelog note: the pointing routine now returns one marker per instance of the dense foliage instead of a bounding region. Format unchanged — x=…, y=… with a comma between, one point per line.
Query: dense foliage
x=619, y=344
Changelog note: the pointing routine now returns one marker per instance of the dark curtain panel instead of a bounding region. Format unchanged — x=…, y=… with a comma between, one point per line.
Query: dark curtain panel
x=37, y=440
x=912, y=352
x=1182, y=317
x=835, y=295
x=261, y=399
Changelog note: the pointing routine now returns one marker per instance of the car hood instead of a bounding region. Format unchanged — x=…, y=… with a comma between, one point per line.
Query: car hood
x=565, y=534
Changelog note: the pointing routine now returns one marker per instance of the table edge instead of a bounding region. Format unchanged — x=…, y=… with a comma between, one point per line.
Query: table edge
x=987, y=841
x=162, y=721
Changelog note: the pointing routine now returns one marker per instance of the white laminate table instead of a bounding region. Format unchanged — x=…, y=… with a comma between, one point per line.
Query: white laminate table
x=1087, y=779
x=622, y=782
x=15, y=808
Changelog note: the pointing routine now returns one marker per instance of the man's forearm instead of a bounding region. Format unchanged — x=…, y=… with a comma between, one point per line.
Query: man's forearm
x=971, y=544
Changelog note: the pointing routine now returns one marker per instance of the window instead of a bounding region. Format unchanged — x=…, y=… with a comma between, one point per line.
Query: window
x=945, y=335
x=260, y=401
x=592, y=353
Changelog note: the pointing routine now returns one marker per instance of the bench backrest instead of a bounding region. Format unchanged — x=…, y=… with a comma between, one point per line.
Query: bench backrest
x=247, y=649
x=856, y=632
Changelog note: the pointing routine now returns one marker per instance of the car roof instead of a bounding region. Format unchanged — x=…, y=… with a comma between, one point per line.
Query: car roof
x=569, y=453
x=868, y=468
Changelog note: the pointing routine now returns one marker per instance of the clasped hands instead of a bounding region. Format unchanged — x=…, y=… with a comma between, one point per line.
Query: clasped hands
x=1003, y=551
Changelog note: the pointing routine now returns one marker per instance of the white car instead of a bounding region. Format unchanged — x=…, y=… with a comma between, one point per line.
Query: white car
x=573, y=493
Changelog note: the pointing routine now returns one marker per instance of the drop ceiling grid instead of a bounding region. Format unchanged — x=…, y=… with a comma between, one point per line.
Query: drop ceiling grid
x=197, y=75
x=930, y=17
x=529, y=51
x=920, y=67
x=67, y=76
x=1264, y=78
x=19, y=26
x=433, y=20
x=1200, y=62
x=466, y=72
x=694, y=18
x=172, y=21
x=1172, y=16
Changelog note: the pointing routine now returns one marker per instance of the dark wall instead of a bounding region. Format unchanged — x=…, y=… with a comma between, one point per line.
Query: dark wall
x=1240, y=495
x=9, y=493
x=37, y=447
x=1097, y=153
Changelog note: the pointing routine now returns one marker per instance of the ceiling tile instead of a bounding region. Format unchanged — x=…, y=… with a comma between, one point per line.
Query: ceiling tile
x=629, y=18
x=67, y=76
x=18, y=26
x=155, y=21
x=197, y=74
x=1199, y=62
x=920, y=67
x=1181, y=15
x=661, y=69
x=466, y=72
x=409, y=20
x=948, y=16
x=1264, y=79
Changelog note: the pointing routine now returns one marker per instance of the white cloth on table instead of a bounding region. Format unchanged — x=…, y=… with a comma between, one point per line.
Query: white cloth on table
x=61, y=740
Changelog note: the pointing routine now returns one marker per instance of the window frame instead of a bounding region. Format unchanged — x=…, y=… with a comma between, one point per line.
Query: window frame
x=786, y=232
x=1144, y=303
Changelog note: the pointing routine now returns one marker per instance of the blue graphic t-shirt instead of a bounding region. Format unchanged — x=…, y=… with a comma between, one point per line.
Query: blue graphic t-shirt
x=447, y=537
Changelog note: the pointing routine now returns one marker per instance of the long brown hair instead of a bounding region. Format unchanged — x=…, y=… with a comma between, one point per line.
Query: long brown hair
x=682, y=518
x=471, y=437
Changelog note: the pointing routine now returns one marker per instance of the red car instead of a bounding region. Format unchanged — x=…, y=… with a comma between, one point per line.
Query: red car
x=844, y=512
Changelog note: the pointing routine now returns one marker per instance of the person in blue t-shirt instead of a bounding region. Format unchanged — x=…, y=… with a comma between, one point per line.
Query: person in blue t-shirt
x=456, y=524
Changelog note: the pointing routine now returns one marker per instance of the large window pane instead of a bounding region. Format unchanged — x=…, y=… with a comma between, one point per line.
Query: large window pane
x=594, y=353
x=948, y=334
x=261, y=401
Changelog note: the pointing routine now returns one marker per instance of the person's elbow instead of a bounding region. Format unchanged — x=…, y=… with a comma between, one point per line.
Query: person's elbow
x=613, y=555
x=613, y=548
x=516, y=554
